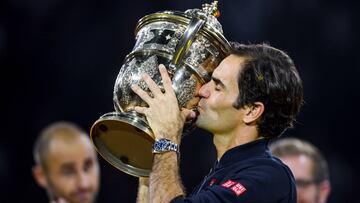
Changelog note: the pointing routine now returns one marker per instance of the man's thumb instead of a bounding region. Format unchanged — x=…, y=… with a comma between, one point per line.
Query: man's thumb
x=188, y=114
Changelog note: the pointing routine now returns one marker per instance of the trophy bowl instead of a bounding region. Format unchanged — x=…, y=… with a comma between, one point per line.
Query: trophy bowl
x=191, y=45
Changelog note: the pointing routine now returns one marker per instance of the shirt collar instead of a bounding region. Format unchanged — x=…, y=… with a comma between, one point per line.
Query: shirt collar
x=242, y=152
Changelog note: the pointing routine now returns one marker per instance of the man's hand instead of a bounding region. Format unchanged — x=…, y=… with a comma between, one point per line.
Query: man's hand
x=163, y=114
x=167, y=121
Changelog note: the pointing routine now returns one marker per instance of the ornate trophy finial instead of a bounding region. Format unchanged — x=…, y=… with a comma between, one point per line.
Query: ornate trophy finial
x=211, y=9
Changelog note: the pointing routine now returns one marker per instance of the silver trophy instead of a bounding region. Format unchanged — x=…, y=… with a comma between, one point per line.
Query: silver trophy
x=191, y=45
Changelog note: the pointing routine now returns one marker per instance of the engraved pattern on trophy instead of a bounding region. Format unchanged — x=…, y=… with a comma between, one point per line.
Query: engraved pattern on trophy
x=188, y=90
x=131, y=74
x=159, y=36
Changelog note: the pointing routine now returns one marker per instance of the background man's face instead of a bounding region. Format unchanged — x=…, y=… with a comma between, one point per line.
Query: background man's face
x=302, y=166
x=72, y=170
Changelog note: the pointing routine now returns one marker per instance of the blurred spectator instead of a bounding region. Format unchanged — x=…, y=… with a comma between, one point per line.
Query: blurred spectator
x=66, y=165
x=309, y=167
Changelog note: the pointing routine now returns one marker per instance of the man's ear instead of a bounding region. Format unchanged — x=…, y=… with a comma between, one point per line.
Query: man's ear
x=325, y=189
x=253, y=112
x=40, y=176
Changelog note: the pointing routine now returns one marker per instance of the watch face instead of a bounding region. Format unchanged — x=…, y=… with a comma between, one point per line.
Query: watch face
x=160, y=145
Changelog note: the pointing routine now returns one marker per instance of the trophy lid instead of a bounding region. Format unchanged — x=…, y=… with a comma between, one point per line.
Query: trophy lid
x=208, y=13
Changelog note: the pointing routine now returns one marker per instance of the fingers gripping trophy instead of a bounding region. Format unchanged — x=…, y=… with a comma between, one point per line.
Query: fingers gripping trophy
x=191, y=45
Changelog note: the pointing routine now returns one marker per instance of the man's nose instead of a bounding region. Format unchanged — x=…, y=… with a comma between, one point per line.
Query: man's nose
x=83, y=180
x=204, y=91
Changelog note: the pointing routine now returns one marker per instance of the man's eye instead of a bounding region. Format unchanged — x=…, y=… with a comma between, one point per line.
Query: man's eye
x=88, y=165
x=304, y=183
x=67, y=172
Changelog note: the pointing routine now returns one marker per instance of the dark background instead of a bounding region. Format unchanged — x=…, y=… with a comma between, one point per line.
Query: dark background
x=59, y=60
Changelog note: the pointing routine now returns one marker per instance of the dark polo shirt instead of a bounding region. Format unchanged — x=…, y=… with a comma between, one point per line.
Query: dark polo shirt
x=246, y=173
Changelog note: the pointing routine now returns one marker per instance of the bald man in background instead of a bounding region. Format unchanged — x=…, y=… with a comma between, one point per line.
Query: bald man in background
x=66, y=164
x=309, y=167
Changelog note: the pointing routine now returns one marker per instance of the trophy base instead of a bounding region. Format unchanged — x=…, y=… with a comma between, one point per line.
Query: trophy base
x=125, y=141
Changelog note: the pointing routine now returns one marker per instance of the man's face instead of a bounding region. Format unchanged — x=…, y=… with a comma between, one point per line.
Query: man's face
x=72, y=170
x=302, y=166
x=216, y=111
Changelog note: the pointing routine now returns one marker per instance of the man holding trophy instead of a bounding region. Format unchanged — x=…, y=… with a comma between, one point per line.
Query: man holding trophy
x=249, y=94
x=254, y=95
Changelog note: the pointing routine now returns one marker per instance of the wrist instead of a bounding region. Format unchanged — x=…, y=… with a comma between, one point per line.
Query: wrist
x=165, y=157
x=144, y=181
x=174, y=136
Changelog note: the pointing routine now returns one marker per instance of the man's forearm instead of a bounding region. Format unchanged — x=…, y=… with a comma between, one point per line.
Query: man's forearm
x=165, y=183
x=143, y=191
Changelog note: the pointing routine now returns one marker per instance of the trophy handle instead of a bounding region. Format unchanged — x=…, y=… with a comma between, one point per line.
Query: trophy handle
x=185, y=42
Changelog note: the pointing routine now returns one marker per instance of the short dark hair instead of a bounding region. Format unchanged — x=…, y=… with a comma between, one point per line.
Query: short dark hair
x=295, y=147
x=42, y=142
x=269, y=76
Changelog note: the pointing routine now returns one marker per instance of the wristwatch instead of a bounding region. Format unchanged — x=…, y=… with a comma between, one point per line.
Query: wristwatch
x=165, y=145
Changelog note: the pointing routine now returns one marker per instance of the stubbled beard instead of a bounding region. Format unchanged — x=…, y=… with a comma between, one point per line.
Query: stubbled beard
x=53, y=196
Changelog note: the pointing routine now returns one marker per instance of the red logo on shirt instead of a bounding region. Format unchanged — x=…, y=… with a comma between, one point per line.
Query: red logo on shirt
x=228, y=184
x=236, y=187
